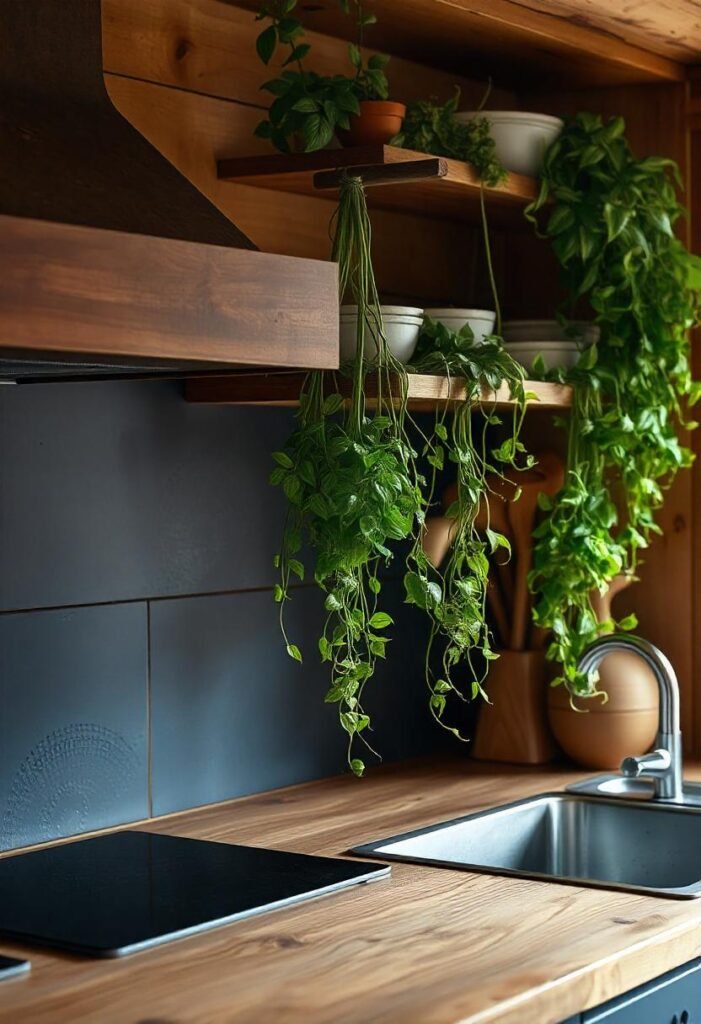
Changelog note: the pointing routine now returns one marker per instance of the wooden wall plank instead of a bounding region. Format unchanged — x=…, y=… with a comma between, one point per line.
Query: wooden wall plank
x=510, y=40
x=209, y=47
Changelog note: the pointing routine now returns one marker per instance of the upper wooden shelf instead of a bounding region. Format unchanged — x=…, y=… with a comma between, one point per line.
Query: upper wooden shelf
x=426, y=392
x=546, y=43
x=401, y=179
x=88, y=298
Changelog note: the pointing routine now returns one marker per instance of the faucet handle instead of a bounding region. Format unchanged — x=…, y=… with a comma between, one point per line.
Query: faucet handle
x=649, y=764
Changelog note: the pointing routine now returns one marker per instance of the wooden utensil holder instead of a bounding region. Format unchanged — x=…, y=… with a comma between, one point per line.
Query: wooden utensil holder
x=514, y=727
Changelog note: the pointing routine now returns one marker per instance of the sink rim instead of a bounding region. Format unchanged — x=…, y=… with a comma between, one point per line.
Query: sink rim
x=692, y=891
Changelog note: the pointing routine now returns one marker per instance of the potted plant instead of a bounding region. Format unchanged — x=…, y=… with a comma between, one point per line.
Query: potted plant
x=310, y=110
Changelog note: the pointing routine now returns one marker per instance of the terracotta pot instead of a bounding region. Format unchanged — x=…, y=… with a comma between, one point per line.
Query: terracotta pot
x=377, y=123
x=601, y=734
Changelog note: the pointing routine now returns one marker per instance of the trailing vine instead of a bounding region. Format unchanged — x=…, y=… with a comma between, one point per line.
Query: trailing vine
x=610, y=218
x=350, y=477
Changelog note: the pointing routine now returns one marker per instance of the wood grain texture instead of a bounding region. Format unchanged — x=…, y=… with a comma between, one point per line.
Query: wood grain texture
x=425, y=392
x=671, y=28
x=92, y=292
x=427, y=945
x=439, y=186
x=510, y=40
x=208, y=47
x=441, y=266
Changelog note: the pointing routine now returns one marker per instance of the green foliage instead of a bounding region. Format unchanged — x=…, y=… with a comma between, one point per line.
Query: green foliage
x=610, y=220
x=352, y=486
x=308, y=109
x=431, y=128
x=455, y=599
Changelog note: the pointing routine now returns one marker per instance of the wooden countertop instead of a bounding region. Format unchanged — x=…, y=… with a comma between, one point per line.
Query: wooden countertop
x=426, y=946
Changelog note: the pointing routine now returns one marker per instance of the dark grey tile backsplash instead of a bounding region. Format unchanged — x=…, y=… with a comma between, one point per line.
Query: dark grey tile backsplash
x=73, y=721
x=120, y=507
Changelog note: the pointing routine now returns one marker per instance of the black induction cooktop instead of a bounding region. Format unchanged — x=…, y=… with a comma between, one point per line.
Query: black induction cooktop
x=127, y=891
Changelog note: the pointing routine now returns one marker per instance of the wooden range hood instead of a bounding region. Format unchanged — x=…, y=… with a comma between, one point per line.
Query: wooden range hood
x=111, y=261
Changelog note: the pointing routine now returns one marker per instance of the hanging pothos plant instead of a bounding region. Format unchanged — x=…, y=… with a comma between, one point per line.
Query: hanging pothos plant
x=610, y=219
x=352, y=479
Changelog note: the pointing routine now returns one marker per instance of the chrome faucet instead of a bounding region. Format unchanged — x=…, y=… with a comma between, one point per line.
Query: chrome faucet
x=664, y=764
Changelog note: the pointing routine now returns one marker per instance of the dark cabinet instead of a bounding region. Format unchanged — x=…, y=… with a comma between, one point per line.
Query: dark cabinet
x=673, y=998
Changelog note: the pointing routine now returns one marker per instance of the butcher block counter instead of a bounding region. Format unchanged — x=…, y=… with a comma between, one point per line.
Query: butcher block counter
x=426, y=945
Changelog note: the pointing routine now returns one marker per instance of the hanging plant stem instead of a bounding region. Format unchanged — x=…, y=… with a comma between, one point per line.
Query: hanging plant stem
x=350, y=477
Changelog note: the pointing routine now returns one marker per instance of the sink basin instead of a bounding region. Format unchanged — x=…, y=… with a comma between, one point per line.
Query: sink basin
x=563, y=837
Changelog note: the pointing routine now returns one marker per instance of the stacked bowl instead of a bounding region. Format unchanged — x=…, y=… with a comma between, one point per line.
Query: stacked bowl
x=481, y=321
x=560, y=350
x=401, y=324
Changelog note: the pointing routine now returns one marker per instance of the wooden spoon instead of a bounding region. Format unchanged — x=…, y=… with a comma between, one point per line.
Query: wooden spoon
x=546, y=478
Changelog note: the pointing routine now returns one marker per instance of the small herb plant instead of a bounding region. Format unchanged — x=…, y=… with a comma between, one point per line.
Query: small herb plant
x=310, y=107
x=610, y=220
x=431, y=128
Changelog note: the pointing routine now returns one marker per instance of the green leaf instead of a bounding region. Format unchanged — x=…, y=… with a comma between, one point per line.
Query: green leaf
x=278, y=593
x=283, y=459
x=357, y=766
x=294, y=652
x=380, y=620
x=266, y=43
x=355, y=56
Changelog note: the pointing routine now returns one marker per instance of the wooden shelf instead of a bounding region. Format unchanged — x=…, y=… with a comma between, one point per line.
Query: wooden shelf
x=548, y=43
x=425, y=392
x=400, y=179
x=90, y=296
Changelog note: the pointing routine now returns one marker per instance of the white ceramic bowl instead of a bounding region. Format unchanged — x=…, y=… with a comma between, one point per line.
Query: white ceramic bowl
x=481, y=321
x=516, y=331
x=386, y=311
x=520, y=138
x=557, y=355
x=402, y=334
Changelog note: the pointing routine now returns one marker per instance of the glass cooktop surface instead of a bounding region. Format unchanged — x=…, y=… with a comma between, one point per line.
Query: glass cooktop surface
x=127, y=891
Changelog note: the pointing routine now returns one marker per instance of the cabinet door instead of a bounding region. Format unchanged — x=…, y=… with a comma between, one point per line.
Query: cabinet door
x=674, y=998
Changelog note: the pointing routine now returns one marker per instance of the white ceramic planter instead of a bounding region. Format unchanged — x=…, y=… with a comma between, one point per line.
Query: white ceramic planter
x=402, y=325
x=481, y=321
x=520, y=138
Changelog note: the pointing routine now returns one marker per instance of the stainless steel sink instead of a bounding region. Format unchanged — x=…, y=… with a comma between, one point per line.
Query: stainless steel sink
x=653, y=847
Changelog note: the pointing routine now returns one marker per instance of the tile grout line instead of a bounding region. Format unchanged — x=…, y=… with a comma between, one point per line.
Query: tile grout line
x=149, y=712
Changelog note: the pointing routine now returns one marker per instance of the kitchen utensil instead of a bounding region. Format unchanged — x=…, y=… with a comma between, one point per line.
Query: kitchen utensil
x=547, y=477
x=514, y=726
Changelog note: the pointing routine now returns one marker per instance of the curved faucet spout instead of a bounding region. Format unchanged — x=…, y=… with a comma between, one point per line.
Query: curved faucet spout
x=664, y=765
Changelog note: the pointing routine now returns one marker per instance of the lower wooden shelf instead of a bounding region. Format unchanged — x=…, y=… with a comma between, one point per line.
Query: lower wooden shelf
x=425, y=392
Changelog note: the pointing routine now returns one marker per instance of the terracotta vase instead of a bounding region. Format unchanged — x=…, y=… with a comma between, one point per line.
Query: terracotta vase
x=514, y=727
x=601, y=734
x=377, y=123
